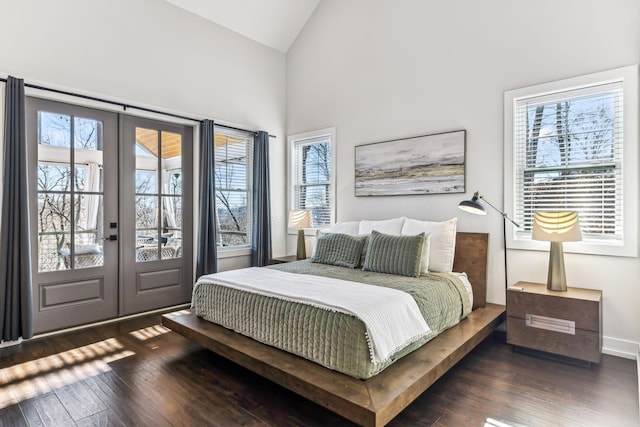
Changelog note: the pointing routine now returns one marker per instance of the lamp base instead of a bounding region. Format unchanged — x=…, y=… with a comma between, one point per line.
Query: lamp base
x=301, y=253
x=556, y=279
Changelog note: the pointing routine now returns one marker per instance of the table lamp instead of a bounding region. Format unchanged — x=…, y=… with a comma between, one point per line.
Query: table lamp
x=300, y=219
x=556, y=227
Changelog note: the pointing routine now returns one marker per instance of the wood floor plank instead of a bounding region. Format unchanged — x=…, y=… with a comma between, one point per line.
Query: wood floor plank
x=106, y=418
x=130, y=406
x=46, y=411
x=79, y=400
x=11, y=416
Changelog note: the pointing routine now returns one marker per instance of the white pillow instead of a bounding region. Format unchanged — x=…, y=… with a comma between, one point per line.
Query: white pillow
x=442, y=247
x=387, y=226
x=345, y=227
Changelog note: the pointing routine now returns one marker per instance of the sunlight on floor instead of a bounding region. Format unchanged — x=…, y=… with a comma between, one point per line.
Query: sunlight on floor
x=490, y=422
x=177, y=313
x=36, y=377
x=150, y=332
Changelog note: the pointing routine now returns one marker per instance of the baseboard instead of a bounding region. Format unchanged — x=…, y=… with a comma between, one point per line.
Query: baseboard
x=620, y=348
x=638, y=365
x=10, y=343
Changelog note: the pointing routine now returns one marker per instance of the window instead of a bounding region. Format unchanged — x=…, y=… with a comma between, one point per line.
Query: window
x=312, y=178
x=233, y=166
x=572, y=145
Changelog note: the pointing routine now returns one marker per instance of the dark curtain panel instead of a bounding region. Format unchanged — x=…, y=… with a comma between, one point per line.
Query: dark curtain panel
x=206, y=255
x=261, y=232
x=16, y=316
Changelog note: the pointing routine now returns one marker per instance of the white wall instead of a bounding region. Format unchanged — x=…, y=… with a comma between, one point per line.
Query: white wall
x=385, y=69
x=151, y=52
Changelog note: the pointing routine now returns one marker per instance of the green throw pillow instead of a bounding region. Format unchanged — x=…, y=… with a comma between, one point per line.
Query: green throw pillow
x=338, y=249
x=390, y=254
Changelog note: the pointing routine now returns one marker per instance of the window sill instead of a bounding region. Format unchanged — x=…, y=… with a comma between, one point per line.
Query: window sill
x=232, y=252
x=307, y=231
x=583, y=247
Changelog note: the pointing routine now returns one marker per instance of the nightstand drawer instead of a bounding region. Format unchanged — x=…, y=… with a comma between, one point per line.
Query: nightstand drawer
x=565, y=323
x=579, y=311
x=584, y=345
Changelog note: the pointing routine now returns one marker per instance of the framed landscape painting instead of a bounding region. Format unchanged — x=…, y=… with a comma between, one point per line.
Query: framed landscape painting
x=427, y=164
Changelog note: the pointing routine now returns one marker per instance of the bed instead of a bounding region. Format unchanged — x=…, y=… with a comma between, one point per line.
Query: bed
x=386, y=389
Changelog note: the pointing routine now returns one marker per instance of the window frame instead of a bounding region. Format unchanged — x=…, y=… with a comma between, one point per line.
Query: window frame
x=293, y=141
x=628, y=76
x=237, y=250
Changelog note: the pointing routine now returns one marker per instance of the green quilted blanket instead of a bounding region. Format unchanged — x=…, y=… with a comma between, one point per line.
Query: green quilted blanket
x=332, y=339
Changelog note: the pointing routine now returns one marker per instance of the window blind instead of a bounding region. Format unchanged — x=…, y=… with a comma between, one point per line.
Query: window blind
x=233, y=166
x=568, y=155
x=312, y=187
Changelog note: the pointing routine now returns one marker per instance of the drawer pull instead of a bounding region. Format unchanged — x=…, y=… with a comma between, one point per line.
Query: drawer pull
x=550, y=323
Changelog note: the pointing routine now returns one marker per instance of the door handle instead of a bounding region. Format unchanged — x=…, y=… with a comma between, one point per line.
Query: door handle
x=111, y=237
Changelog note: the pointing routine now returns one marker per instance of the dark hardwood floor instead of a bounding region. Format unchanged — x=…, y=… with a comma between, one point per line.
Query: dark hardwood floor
x=136, y=372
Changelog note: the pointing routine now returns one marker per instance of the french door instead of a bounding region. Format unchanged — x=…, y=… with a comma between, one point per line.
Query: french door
x=97, y=253
x=156, y=214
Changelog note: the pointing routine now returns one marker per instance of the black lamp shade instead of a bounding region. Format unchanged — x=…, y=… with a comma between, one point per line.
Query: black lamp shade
x=473, y=206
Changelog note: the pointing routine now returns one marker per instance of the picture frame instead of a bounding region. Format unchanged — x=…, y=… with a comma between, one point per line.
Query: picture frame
x=426, y=164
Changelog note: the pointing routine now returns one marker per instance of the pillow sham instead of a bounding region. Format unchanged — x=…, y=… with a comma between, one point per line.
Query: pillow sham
x=345, y=227
x=390, y=254
x=443, y=241
x=339, y=249
x=387, y=226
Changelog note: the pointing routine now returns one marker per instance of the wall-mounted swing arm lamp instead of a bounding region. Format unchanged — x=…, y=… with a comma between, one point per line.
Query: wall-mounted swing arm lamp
x=475, y=207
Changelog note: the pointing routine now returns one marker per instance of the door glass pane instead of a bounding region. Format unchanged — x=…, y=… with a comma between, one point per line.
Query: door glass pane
x=145, y=182
x=147, y=213
x=54, y=129
x=53, y=177
x=171, y=163
x=88, y=215
x=174, y=179
x=147, y=245
x=50, y=258
x=89, y=175
x=87, y=134
x=87, y=251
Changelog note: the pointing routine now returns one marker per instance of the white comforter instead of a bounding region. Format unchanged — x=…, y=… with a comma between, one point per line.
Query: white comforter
x=391, y=317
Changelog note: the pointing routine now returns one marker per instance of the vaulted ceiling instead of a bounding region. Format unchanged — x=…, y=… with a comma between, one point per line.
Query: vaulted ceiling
x=274, y=23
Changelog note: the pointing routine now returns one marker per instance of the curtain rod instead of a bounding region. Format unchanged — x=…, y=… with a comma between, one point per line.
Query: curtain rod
x=125, y=106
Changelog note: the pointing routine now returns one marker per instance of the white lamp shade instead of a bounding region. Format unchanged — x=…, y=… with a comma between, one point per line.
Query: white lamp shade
x=299, y=219
x=556, y=226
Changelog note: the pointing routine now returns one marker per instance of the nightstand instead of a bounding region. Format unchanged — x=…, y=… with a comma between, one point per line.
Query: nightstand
x=567, y=324
x=283, y=259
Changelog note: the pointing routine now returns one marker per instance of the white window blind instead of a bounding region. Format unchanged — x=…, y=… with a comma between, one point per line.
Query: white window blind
x=312, y=176
x=569, y=156
x=233, y=166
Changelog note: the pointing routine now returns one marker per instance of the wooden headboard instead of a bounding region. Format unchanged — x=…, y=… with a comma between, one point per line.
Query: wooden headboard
x=471, y=257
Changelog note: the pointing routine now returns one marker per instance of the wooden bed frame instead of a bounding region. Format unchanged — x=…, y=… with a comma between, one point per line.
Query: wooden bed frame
x=377, y=400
